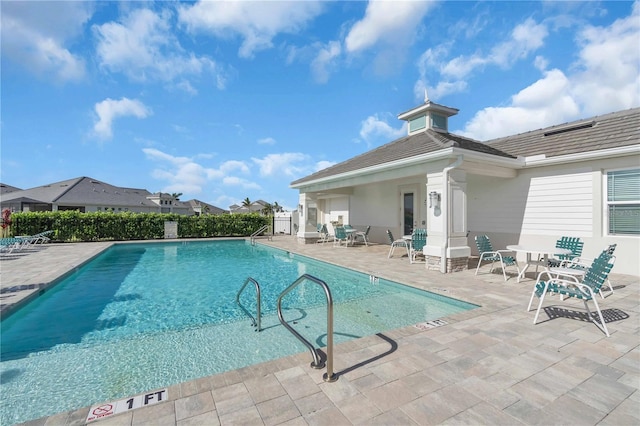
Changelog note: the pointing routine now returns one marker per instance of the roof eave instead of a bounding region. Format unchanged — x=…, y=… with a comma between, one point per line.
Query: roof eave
x=432, y=156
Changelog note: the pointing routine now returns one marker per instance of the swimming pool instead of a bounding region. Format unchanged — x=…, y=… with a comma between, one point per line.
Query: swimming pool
x=145, y=316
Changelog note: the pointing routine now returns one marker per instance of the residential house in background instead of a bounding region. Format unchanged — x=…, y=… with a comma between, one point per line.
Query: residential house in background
x=255, y=207
x=200, y=208
x=579, y=179
x=86, y=194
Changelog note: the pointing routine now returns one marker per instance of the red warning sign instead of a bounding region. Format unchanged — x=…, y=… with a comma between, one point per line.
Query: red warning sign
x=100, y=411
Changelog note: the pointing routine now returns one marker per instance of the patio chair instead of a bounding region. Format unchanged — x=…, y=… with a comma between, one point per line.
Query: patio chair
x=570, y=286
x=324, y=233
x=362, y=234
x=340, y=236
x=397, y=243
x=486, y=251
x=574, y=244
x=418, y=241
x=583, y=264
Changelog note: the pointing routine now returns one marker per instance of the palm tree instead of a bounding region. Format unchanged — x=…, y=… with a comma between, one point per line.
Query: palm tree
x=277, y=208
x=247, y=203
x=177, y=195
x=267, y=209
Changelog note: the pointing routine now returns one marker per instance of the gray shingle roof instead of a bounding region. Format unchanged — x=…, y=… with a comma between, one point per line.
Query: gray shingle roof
x=608, y=131
x=613, y=130
x=8, y=188
x=212, y=209
x=83, y=191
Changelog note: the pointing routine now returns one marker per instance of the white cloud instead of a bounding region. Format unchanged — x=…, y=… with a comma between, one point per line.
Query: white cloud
x=257, y=23
x=605, y=78
x=267, y=141
x=325, y=61
x=281, y=164
x=143, y=47
x=243, y=183
x=386, y=22
x=34, y=35
x=525, y=38
x=183, y=174
x=375, y=128
x=233, y=165
x=608, y=69
x=387, y=29
x=110, y=109
x=186, y=175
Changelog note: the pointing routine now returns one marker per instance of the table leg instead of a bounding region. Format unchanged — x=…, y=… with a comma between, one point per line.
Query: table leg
x=526, y=266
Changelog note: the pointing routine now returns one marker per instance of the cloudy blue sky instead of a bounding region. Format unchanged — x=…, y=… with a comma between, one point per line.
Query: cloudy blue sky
x=227, y=100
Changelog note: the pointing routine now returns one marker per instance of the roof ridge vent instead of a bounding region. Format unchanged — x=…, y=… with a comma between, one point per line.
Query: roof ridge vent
x=570, y=128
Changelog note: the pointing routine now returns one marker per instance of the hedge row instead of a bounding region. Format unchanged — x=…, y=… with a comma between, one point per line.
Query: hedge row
x=104, y=226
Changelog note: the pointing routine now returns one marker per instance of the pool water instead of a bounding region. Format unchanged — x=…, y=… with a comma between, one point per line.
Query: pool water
x=145, y=316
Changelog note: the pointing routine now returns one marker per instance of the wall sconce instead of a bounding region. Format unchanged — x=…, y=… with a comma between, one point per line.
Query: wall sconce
x=300, y=210
x=434, y=199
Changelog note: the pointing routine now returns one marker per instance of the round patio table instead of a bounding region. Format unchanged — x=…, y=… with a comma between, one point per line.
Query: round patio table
x=540, y=251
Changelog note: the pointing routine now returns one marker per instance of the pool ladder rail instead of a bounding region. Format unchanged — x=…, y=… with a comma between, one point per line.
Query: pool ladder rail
x=255, y=322
x=317, y=363
x=258, y=232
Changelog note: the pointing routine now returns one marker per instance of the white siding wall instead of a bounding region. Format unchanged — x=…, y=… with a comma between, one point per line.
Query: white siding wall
x=560, y=204
x=541, y=205
x=533, y=204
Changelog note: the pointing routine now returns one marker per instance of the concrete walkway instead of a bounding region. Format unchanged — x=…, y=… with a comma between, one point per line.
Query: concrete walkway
x=487, y=366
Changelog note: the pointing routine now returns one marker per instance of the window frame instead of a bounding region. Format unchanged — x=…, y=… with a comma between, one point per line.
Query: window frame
x=607, y=204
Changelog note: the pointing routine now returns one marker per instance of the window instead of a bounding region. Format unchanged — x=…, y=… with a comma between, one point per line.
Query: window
x=623, y=202
x=417, y=123
x=438, y=122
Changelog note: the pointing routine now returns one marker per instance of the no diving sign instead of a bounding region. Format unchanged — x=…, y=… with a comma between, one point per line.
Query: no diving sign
x=108, y=409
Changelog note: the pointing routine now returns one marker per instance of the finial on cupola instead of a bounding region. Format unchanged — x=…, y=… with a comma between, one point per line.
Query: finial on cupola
x=426, y=97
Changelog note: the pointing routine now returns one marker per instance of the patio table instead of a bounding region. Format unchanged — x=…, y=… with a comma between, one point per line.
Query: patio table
x=351, y=233
x=540, y=251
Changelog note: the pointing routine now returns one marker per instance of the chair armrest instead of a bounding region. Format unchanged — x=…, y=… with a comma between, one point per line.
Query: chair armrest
x=557, y=277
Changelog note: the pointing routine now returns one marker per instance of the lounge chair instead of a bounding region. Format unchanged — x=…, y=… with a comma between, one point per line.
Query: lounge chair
x=8, y=245
x=418, y=241
x=570, y=286
x=397, y=243
x=486, y=251
x=583, y=264
x=362, y=234
x=340, y=236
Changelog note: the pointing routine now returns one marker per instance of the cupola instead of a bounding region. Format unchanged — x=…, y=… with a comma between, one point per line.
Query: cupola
x=428, y=116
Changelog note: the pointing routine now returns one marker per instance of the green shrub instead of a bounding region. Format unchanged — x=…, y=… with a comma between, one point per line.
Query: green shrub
x=72, y=225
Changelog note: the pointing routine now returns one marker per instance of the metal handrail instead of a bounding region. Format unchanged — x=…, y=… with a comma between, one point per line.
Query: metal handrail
x=254, y=321
x=317, y=363
x=262, y=229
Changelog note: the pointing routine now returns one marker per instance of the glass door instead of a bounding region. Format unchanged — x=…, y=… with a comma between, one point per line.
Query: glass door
x=407, y=212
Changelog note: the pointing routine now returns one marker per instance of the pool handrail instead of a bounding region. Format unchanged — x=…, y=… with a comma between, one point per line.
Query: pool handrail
x=329, y=376
x=258, y=232
x=254, y=321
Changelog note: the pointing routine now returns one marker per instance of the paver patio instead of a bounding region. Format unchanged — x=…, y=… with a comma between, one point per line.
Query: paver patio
x=490, y=365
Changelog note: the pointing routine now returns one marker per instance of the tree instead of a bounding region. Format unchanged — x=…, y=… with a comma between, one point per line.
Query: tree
x=277, y=208
x=246, y=203
x=177, y=195
x=267, y=209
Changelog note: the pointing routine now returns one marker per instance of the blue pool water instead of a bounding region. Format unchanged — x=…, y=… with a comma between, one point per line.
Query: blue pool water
x=145, y=316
